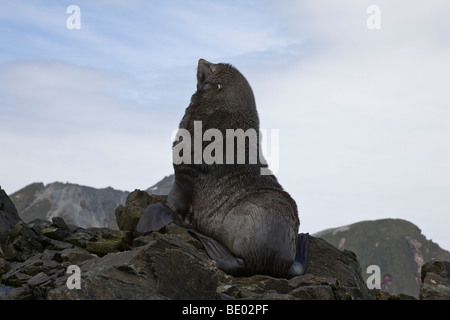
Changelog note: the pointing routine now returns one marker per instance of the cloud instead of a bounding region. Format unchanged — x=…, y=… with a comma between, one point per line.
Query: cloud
x=61, y=121
x=142, y=36
x=363, y=116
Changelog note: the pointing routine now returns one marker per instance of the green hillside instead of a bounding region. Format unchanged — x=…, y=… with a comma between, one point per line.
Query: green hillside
x=396, y=246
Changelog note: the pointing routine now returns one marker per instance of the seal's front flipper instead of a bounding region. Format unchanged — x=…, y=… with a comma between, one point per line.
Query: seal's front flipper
x=155, y=217
x=301, y=257
x=219, y=253
x=176, y=208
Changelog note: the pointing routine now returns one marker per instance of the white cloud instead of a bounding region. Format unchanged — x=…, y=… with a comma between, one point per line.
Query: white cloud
x=364, y=119
x=64, y=122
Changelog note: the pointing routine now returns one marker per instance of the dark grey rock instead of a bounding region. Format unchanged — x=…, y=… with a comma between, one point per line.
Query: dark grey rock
x=20, y=293
x=57, y=245
x=51, y=255
x=18, y=241
x=56, y=233
x=127, y=216
x=80, y=237
x=59, y=222
x=166, y=268
x=8, y=215
x=76, y=256
x=435, y=280
x=21, y=242
x=4, y=292
x=39, y=279
x=327, y=261
x=4, y=266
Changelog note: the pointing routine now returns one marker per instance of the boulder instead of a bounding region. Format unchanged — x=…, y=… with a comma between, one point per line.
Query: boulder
x=8, y=215
x=165, y=268
x=18, y=241
x=127, y=216
x=435, y=280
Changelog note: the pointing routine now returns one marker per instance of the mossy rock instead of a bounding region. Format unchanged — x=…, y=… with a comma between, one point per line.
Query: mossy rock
x=102, y=248
x=108, y=241
x=127, y=217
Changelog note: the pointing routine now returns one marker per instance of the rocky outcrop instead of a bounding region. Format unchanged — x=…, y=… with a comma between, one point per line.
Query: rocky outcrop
x=169, y=264
x=8, y=215
x=17, y=240
x=435, y=280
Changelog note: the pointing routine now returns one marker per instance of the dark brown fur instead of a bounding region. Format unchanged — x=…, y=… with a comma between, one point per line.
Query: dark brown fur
x=249, y=213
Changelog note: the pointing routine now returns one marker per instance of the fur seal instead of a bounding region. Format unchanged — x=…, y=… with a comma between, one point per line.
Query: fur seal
x=246, y=221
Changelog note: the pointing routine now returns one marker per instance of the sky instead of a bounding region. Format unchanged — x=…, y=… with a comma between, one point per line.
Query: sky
x=363, y=113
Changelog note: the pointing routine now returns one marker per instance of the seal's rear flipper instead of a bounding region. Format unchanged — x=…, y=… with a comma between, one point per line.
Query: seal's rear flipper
x=155, y=217
x=219, y=253
x=301, y=257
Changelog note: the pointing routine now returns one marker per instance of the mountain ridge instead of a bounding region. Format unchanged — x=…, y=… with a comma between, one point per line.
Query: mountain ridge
x=77, y=204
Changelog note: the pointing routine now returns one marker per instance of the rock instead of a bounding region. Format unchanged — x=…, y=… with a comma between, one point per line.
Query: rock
x=127, y=217
x=106, y=241
x=20, y=293
x=17, y=241
x=76, y=256
x=4, y=266
x=4, y=292
x=169, y=264
x=57, y=245
x=172, y=264
x=55, y=233
x=81, y=237
x=21, y=242
x=59, y=222
x=330, y=262
x=435, y=280
x=166, y=268
x=40, y=284
x=21, y=273
x=101, y=248
x=8, y=215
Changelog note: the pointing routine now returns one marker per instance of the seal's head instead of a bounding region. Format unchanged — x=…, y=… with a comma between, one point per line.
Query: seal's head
x=222, y=80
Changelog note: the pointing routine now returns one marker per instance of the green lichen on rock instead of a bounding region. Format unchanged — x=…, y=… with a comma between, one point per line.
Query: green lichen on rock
x=127, y=216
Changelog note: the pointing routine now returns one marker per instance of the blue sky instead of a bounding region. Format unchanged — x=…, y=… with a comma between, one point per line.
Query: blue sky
x=363, y=114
